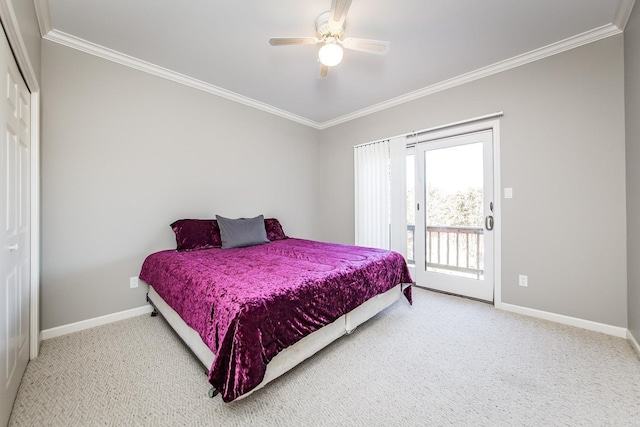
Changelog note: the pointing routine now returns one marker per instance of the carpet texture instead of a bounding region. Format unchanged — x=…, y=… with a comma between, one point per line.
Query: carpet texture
x=446, y=361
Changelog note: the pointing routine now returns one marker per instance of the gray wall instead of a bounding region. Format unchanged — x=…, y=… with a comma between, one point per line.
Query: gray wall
x=125, y=153
x=28, y=22
x=632, y=104
x=562, y=152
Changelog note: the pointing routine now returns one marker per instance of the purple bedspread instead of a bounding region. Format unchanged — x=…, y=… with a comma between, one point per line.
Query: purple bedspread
x=248, y=304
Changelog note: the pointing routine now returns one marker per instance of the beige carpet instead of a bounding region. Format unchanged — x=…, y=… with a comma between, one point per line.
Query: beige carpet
x=444, y=361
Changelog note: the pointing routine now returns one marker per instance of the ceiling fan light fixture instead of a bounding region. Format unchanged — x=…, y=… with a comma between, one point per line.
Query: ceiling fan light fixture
x=330, y=54
x=329, y=34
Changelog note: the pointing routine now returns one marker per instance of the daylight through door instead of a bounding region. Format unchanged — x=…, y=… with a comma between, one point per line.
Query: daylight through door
x=450, y=236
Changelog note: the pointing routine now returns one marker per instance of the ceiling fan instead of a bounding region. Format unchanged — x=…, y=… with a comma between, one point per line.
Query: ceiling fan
x=330, y=29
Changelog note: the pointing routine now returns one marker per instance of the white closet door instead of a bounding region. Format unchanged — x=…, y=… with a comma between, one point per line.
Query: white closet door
x=15, y=117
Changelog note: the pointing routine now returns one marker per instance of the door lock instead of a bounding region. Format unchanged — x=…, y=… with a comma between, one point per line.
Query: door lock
x=488, y=222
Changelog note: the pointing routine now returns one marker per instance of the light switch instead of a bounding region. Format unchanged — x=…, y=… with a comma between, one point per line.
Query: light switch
x=508, y=193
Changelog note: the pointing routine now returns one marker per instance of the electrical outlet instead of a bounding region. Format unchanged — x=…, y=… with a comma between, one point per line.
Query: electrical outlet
x=133, y=282
x=523, y=280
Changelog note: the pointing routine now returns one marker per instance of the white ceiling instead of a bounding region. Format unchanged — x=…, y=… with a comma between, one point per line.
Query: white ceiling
x=222, y=46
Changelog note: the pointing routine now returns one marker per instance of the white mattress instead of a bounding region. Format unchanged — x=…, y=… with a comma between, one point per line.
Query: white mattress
x=291, y=356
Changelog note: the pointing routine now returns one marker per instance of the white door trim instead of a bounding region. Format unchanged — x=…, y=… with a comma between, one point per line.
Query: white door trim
x=10, y=24
x=11, y=28
x=497, y=228
x=35, y=337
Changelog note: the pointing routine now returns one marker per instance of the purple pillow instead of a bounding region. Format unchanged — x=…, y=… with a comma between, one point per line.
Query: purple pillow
x=195, y=234
x=274, y=229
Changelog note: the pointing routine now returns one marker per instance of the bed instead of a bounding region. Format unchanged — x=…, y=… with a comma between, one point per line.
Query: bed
x=252, y=313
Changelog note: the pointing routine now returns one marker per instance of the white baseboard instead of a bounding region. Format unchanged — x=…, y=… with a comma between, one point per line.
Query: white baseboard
x=633, y=342
x=616, y=331
x=96, y=321
x=558, y=318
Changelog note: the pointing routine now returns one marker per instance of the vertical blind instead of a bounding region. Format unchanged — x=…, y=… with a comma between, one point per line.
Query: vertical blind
x=380, y=195
x=372, y=194
x=398, y=181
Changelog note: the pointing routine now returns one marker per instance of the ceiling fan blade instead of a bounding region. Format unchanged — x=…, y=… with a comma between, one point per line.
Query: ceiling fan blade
x=371, y=46
x=289, y=41
x=323, y=70
x=338, y=13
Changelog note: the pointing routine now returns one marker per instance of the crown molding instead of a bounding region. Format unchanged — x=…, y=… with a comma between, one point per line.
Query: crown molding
x=535, y=55
x=623, y=13
x=138, y=64
x=43, y=13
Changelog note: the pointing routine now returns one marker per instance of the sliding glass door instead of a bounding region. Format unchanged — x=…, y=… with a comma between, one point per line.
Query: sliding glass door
x=450, y=236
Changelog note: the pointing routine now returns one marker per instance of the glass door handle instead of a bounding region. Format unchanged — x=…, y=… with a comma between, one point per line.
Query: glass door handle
x=488, y=222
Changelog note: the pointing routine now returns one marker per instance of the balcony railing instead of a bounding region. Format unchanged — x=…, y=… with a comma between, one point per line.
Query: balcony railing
x=411, y=244
x=452, y=249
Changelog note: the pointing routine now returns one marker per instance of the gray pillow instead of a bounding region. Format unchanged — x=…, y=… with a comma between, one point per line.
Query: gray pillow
x=241, y=232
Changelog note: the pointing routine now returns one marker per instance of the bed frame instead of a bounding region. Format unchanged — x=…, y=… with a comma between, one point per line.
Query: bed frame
x=289, y=357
